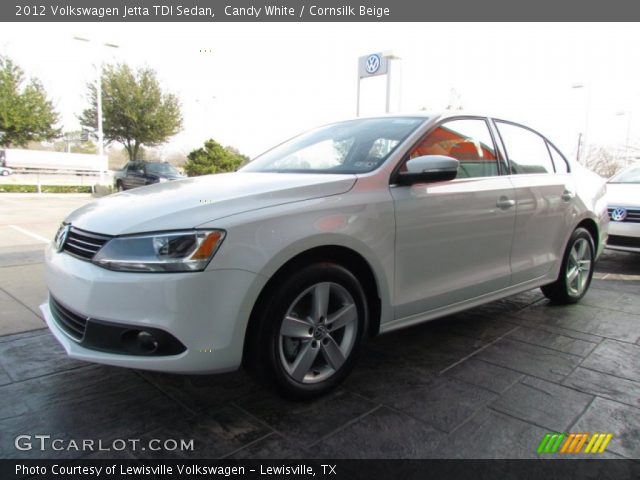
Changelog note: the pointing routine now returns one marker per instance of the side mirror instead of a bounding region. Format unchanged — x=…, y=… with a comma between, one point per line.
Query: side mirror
x=429, y=168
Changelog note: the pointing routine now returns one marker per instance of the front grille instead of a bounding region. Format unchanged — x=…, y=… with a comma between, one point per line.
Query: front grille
x=84, y=244
x=633, y=215
x=620, y=241
x=72, y=323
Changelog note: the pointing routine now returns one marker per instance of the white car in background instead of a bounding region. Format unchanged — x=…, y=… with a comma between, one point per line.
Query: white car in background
x=349, y=230
x=623, y=198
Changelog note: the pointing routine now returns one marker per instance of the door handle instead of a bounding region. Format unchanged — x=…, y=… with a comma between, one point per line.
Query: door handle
x=567, y=195
x=504, y=203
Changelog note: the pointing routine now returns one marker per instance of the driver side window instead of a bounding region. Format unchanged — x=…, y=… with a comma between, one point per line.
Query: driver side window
x=468, y=141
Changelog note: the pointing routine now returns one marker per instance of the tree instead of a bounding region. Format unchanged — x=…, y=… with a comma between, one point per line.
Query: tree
x=213, y=158
x=135, y=110
x=26, y=114
x=602, y=160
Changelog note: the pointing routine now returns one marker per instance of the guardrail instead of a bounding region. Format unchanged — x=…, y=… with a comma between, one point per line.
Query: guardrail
x=66, y=177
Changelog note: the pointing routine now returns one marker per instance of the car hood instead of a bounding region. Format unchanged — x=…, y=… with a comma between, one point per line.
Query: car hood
x=623, y=194
x=191, y=202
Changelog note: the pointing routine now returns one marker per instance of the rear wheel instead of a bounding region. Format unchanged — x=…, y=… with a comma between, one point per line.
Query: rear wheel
x=576, y=271
x=312, y=330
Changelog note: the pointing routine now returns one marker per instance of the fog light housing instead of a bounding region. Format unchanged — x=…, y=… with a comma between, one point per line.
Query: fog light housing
x=146, y=342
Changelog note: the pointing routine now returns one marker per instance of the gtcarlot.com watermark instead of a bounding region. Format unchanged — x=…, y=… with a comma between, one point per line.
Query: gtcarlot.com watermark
x=48, y=443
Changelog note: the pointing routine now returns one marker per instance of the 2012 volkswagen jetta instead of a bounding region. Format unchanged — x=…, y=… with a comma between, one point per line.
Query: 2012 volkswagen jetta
x=353, y=229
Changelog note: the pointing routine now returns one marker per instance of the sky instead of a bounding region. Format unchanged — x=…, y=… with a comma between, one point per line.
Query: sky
x=254, y=85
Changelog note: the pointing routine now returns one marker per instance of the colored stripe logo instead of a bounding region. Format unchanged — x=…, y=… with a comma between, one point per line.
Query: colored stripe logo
x=573, y=443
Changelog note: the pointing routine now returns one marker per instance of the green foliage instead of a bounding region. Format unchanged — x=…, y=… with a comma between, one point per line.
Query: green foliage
x=18, y=188
x=135, y=110
x=45, y=188
x=26, y=114
x=213, y=158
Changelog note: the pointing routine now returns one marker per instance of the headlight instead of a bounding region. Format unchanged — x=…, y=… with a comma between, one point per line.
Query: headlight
x=162, y=180
x=188, y=251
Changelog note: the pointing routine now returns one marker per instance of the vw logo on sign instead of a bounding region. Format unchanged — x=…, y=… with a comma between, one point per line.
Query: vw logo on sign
x=373, y=64
x=618, y=214
x=61, y=237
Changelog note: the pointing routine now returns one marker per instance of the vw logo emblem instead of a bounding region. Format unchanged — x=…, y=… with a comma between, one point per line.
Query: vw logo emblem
x=618, y=214
x=373, y=64
x=61, y=237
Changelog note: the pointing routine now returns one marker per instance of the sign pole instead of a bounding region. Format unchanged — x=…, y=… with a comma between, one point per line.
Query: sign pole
x=388, y=99
x=358, y=96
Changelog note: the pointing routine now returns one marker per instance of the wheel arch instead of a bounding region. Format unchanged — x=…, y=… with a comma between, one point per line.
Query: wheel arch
x=342, y=255
x=592, y=227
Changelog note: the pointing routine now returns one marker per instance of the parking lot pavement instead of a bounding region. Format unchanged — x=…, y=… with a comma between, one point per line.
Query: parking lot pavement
x=27, y=223
x=487, y=383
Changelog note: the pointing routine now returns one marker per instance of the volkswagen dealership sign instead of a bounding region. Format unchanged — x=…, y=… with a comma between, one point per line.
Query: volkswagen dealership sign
x=372, y=65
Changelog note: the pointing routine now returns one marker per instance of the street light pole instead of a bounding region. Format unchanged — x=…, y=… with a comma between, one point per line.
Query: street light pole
x=98, y=92
x=99, y=109
x=627, y=155
x=584, y=135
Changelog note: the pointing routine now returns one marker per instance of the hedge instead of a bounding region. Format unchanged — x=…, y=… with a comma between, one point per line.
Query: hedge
x=46, y=188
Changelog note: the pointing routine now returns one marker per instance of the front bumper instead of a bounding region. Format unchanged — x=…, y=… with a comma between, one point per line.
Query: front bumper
x=624, y=236
x=206, y=311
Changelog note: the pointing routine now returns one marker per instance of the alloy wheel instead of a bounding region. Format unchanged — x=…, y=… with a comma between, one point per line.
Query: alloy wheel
x=578, y=267
x=318, y=332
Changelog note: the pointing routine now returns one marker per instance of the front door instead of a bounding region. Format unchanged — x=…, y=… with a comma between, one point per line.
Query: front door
x=453, y=238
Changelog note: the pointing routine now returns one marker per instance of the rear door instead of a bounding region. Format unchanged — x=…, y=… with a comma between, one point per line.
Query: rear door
x=453, y=238
x=545, y=194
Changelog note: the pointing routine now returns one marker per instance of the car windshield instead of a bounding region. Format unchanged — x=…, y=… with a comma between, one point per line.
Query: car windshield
x=161, y=169
x=627, y=176
x=355, y=146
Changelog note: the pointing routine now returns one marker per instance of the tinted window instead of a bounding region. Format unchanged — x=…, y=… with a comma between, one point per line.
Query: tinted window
x=466, y=140
x=355, y=146
x=558, y=160
x=161, y=169
x=527, y=151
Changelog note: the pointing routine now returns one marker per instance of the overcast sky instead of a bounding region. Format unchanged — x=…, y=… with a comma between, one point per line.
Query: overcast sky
x=254, y=85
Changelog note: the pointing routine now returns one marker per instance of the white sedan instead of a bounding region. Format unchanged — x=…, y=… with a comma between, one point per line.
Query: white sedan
x=353, y=229
x=623, y=197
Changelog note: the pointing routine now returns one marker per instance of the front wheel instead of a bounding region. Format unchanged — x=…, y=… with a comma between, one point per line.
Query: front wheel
x=576, y=271
x=314, y=328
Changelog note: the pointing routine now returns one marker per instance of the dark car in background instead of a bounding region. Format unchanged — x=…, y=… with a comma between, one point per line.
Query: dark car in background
x=138, y=173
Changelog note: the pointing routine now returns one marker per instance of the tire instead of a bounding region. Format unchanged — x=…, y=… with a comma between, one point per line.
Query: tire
x=576, y=270
x=5, y=173
x=311, y=331
x=119, y=187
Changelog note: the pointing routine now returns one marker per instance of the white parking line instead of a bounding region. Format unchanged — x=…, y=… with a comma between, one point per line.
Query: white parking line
x=30, y=234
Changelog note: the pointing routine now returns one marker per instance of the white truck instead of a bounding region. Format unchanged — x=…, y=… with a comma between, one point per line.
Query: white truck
x=36, y=160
